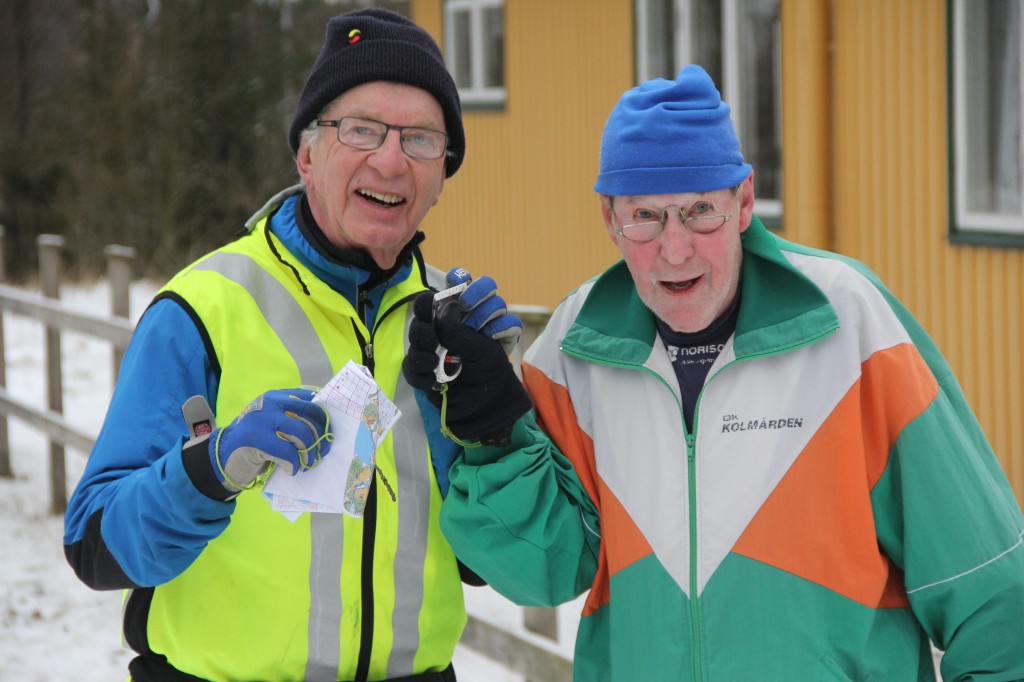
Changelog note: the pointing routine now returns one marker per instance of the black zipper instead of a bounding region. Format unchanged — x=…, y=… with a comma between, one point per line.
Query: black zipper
x=370, y=513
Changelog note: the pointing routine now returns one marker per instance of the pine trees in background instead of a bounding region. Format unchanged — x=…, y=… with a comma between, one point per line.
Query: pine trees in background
x=156, y=124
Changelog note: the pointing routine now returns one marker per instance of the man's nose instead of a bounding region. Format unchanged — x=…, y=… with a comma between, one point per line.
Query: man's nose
x=389, y=158
x=676, y=238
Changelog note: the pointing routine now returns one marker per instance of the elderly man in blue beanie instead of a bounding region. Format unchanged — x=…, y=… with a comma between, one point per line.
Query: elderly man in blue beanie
x=747, y=451
x=220, y=585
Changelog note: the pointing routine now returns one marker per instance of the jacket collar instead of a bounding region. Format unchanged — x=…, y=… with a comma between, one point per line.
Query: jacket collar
x=350, y=273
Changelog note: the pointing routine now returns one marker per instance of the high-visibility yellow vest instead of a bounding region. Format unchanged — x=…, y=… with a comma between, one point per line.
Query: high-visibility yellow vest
x=269, y=599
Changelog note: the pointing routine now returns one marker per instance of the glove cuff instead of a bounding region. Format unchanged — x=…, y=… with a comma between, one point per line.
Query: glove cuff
x=496, y=412
x=499, y=439
x=195, y=457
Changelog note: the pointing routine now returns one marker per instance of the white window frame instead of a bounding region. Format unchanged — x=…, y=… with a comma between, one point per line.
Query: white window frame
x=767, y=207
x=477, y=92
x=966, y=221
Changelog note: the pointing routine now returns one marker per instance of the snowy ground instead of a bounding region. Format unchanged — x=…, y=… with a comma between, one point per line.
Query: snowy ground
x=51, y=626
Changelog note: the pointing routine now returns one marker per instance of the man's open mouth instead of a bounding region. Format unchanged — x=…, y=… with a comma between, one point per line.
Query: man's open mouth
x=381, y=199
x=682, y=285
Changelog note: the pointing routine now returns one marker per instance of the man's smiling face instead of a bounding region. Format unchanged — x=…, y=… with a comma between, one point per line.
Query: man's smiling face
x=686, y=279
x=373, y=200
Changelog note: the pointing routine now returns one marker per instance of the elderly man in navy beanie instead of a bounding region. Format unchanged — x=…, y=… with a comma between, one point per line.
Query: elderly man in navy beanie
x=214, y=396
x=748, y=451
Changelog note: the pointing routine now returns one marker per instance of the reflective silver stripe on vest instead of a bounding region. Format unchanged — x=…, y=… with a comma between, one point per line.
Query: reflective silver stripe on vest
x=284, y=315
x=411, y=462
x=325, y=599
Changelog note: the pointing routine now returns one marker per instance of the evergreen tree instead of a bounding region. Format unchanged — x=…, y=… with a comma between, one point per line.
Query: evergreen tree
x=156, y=124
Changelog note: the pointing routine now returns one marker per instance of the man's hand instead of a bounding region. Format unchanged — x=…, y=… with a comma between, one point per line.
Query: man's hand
x=281, y=427
x=486, y=397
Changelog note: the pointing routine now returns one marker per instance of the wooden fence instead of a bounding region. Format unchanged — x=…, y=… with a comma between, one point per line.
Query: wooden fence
x=45, y=307
x=531, y=652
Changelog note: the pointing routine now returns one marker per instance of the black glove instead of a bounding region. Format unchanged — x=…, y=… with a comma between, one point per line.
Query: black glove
x=486, y=398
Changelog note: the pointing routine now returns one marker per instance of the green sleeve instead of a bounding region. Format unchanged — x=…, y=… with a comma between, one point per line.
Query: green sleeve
x=520, y=518
x=947, y=516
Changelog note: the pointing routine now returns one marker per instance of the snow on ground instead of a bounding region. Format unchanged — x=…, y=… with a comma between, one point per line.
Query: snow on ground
x=51, y=626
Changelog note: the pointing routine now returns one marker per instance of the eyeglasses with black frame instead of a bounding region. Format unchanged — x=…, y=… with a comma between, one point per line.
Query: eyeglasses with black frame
x=642, y=225
x=367, y=134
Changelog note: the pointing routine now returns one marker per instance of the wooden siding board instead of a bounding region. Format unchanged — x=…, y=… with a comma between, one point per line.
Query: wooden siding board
x=892, y=206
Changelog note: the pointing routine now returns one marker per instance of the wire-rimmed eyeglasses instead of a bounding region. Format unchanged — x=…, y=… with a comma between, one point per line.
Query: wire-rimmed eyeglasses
x=645, y=224
x=368, y=134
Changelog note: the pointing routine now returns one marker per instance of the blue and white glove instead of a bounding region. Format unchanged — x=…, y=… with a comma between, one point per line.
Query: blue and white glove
x=282, y=428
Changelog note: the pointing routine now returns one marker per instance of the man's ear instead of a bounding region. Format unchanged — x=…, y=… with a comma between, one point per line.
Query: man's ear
x=606, y=213
x=746, y=194
x=304, y=162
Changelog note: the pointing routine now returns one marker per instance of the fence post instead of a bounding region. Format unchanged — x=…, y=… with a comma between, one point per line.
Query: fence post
x=50, y=246
x=541, y=620
x=119, y=272
x=6, y=471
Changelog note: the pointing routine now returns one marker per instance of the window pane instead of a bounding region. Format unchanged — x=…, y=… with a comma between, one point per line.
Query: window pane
x=462, y=60
x=993, y=106
x=706, y=37
x=759, y=55
x=659, y=42
x=494, y=48
x=680, y=32
x=737, y=40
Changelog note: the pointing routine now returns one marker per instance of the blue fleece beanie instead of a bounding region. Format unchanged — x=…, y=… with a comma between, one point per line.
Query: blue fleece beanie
x=670, y=137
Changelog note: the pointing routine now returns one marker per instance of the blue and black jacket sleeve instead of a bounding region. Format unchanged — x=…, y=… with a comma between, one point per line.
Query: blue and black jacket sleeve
x=138, y=516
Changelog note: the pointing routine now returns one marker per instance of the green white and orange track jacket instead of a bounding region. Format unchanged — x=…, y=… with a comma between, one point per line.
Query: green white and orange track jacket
x=835, y=506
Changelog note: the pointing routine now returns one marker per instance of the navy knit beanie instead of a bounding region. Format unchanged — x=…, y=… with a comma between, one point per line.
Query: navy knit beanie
x=379, y=45
x=670, y=137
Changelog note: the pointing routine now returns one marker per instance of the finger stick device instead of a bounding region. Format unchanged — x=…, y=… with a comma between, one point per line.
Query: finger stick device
x=199, y=417
x=446, y=307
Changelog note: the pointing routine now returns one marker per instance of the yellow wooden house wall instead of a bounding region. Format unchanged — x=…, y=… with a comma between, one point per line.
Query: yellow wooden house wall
x=891, y=205
x=522, y=207
x=866, y=173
